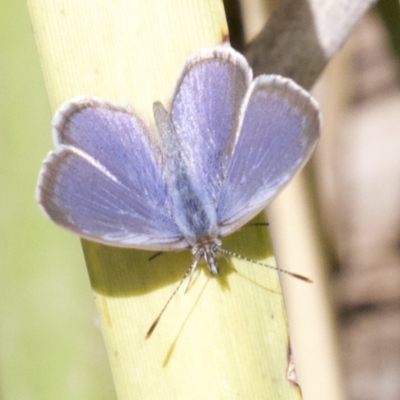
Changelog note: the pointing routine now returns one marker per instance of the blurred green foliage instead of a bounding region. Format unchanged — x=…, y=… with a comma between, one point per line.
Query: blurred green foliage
x=51, y=346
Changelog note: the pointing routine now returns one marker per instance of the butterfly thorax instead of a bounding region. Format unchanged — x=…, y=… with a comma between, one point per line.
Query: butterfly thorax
x=192, y=208
x=206, y=249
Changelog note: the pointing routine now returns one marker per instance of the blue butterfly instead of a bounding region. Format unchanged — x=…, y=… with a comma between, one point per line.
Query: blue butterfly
x=226, y=146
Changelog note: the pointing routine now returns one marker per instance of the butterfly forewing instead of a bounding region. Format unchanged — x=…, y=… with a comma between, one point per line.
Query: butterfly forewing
x=104, y=181
x=278, y=131
x=205, y=111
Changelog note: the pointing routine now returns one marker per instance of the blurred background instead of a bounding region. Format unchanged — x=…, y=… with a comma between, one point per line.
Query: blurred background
x=50, y=342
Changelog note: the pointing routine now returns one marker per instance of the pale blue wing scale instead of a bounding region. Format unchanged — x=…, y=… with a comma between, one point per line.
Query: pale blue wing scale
x=279, y=129
x=104, y=181
x=204, y=111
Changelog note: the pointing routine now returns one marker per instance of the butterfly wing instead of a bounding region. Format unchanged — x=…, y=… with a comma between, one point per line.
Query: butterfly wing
x=204, y=112
x=279, y=128
x=104, y=179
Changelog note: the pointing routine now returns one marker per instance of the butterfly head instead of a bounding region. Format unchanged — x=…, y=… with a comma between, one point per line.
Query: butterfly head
x=207, y=248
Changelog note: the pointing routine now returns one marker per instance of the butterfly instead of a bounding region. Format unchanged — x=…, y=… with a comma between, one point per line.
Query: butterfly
x=223, y=149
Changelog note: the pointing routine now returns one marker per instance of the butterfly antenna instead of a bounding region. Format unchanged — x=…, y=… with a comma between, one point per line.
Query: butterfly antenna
x=189, y=273
x=244, y=258
x=191, y=270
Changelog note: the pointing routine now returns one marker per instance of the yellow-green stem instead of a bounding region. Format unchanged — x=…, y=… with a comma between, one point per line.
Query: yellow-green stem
x=227, y=337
